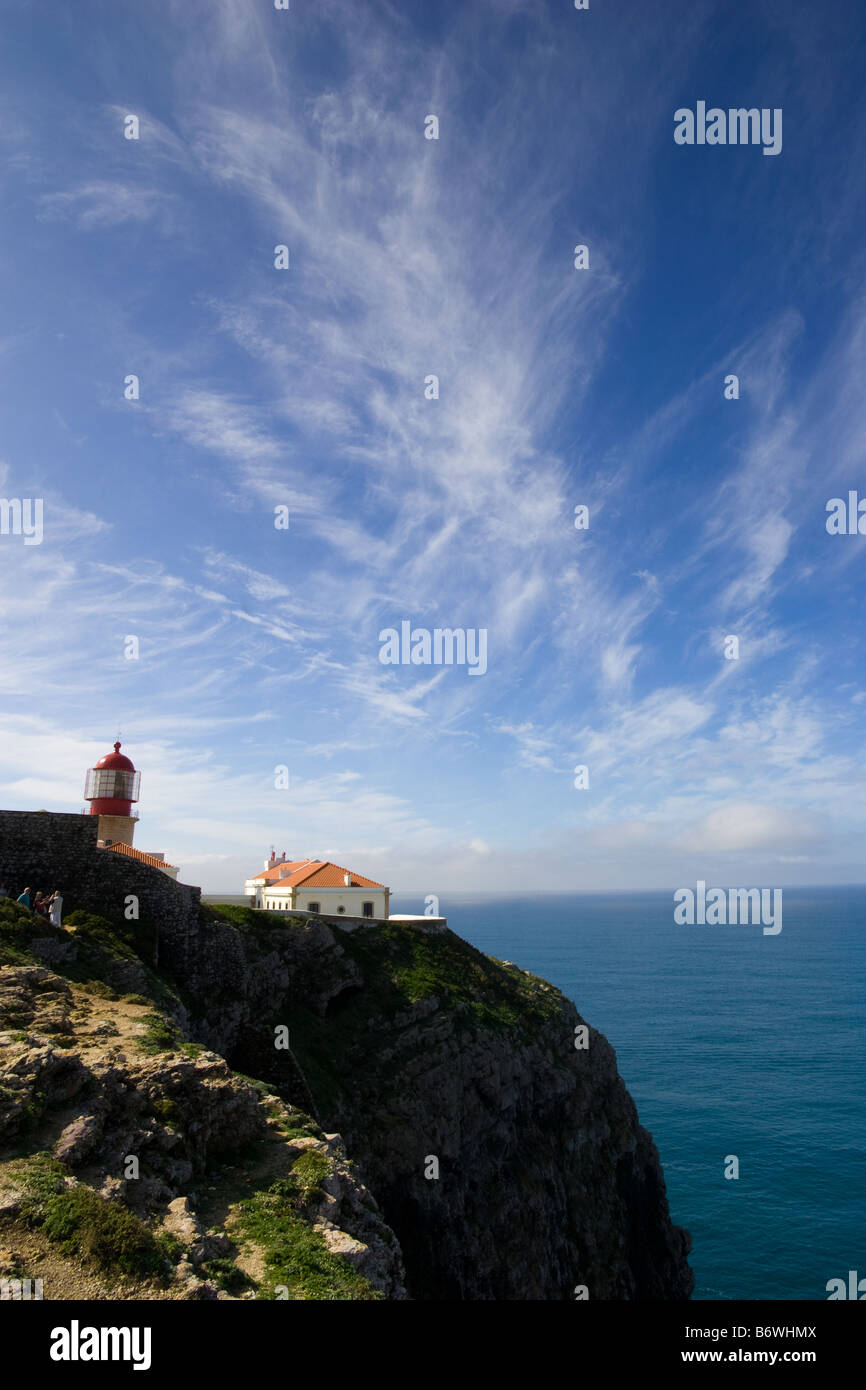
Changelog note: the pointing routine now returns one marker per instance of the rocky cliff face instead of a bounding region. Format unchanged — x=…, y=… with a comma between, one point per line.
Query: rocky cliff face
x=507, y=1162
x=135, y=1164
x=416, y=1047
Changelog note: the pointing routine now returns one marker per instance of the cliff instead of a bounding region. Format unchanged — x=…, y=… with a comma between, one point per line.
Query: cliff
x=489, y=1158
x=135, y=1164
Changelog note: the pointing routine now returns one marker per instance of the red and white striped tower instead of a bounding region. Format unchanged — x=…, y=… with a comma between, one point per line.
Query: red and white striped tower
x=111, y=788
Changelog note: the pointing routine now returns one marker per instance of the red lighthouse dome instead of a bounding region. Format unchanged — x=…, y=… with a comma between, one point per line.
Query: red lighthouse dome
x=112, y=785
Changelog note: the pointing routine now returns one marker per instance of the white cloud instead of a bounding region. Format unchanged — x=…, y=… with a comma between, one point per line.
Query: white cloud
x=746, y=826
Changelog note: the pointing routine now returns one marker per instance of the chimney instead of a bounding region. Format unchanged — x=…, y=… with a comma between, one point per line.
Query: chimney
x=347, y=879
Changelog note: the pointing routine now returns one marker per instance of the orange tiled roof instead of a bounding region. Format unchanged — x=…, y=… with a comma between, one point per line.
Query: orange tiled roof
x=315, y=873
x=139, y=854
x=284, y=867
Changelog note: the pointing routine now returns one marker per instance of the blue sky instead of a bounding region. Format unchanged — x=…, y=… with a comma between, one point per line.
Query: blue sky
x=305, y=388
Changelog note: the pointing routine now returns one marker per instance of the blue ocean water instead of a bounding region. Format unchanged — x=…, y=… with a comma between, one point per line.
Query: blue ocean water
x=730, y=1042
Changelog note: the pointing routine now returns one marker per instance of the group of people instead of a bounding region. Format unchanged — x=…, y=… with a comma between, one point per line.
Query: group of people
x=49, y=905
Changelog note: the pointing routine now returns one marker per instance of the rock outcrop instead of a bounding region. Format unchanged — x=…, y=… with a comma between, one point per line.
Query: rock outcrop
x=112, y=1106
x=415, y=1046
x=472, y=1137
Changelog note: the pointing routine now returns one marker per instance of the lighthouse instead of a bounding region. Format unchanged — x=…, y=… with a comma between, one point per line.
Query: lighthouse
x=111, y=787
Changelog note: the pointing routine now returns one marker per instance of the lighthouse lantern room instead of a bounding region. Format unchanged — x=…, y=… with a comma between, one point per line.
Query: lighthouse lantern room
x=111, y=788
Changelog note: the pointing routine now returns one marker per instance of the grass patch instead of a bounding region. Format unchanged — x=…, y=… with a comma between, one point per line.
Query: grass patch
x=226, y=1273
x=98, y=988
x=264, y=1088
x=251, y=919
x=82, y=1224
x=309, y=1172
x=422, y=965
x=231, y=912
x=161, y=1035
x=295, y=1256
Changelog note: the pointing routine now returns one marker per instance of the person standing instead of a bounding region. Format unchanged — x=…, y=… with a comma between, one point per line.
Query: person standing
x=56, y=907
x=24, y=899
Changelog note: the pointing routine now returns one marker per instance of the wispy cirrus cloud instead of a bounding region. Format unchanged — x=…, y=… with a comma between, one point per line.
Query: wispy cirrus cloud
x=409, y=259
x=108, y=203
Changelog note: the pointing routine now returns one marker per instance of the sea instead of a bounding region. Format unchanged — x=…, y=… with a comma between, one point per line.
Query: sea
x=733, y=1044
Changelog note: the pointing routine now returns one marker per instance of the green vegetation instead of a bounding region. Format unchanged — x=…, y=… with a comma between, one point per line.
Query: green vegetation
x=401, y=966
x=499, y=997
x=18, y=927
x=167, y=1110
x=99, y=988
x=32, y=1111
x=309, y=1172
x=264, y=1088
x=295, y=1255
x=161, y=1035
x=83, y=1224
x=296, y=1126
x=226, y=1273
x=108, y=951
x=247, y=917
x=230, y=912
x=103, y=953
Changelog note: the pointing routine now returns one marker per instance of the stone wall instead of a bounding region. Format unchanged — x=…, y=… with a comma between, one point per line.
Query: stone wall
x=48, y=850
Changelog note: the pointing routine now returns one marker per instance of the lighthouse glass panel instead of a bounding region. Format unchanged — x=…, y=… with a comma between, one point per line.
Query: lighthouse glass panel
x=109, y=782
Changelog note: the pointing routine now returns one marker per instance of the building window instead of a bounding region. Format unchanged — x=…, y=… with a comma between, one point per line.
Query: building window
x=341, y=909
x=312, y=907
x=368, y=909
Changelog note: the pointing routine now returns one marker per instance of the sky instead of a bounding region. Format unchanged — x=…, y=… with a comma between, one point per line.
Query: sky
x=307, y=388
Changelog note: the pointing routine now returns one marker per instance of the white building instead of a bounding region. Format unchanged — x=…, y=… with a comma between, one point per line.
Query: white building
x=316, y=885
